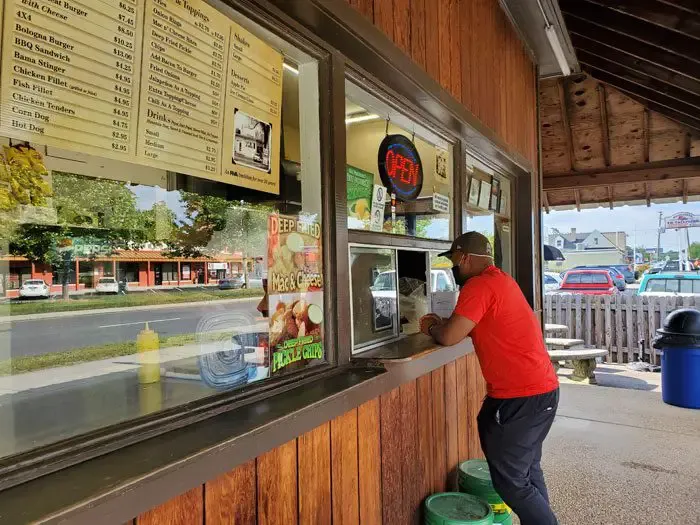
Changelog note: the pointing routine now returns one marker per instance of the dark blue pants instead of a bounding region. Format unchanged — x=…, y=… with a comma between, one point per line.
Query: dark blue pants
x=512, y=432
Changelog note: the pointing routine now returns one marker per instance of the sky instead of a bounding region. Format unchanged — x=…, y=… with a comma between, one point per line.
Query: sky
x=641, y=221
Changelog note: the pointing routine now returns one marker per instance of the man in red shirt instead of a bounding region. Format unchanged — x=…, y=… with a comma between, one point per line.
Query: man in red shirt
x=522, y=386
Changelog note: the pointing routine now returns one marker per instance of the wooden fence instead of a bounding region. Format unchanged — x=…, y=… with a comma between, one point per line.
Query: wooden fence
x=616, y=323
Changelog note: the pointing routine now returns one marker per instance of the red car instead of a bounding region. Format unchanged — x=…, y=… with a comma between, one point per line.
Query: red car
x=589, y=282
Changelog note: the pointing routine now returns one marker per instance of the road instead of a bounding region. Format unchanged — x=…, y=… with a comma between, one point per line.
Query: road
x=40, y=336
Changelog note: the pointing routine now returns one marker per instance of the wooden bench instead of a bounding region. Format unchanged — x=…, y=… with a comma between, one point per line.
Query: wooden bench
x=584, y=361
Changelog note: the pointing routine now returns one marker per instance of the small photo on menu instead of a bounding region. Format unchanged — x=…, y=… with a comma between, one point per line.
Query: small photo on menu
x=251, y=142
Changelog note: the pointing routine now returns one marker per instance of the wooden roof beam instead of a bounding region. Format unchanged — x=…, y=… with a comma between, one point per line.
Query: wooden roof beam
x=631, y=75
x=668, y=16
x=647, y=138
x=638, y=28
x=647, y=191
x=577, y=197
x=641, y=64
x=562, y=86
x=691, y=6
x=545, y=201
x=680, y=65
x=603, y=101
x=674, y=169
x=670, y=107
x=685, y=191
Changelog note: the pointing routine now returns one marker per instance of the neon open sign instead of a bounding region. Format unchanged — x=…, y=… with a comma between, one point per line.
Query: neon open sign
x=400, y=167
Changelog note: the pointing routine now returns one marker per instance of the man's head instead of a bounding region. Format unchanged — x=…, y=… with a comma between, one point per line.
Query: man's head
x=471, y=254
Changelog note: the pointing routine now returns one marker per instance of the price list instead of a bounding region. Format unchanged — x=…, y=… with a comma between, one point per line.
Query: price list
x=70, y=73
x=254, y=98
x=184, y=61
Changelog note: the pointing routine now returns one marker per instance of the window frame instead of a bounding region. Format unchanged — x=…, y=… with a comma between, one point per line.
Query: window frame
x=33, y=463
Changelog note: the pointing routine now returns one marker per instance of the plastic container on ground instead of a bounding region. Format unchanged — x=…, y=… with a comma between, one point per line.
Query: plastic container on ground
x=679, y=342
x=475, y=479
x=457, y=508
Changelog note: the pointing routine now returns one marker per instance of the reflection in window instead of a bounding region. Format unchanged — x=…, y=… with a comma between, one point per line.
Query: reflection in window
x=374, y=296
x=427, y=216
x=170, y=268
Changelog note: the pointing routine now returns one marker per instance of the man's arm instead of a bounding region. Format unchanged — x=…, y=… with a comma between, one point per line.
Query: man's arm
x=450, y=331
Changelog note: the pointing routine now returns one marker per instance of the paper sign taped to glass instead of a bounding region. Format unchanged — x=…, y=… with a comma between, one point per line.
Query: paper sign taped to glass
x=295, y=286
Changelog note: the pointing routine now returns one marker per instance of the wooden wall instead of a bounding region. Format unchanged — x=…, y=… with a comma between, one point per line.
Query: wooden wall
x=373, y=465
x=471, y=49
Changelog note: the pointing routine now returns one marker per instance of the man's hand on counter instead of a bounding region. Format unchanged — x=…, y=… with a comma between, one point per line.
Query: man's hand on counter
x=447, y=332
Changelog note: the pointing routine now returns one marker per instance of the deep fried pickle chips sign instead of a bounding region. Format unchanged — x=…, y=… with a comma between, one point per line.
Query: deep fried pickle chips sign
x=295, y=287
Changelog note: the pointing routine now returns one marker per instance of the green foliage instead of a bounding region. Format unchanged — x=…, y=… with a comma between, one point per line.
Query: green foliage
x=22, y=180
x=214, y=225
x=694, y=250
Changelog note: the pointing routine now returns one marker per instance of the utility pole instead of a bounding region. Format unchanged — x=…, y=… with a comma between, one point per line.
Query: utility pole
x=658, y=238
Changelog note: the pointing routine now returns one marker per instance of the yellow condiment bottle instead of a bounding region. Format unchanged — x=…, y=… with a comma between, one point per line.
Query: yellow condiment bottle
x=147, y=345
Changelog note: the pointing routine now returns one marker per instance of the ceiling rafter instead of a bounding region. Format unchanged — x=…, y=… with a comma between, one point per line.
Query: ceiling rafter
x=603, y=100
x=667, y=16
x=674, y=169
x=645, y=130
x=562, y=86
x=634, y=27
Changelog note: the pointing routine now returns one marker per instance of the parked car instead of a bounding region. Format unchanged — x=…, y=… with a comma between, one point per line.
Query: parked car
x=232, y=283
x=617, y=275
x=552, y=281
x=666, y=283
x=107, y=285
x=34, y=288
x=589, y=282
x=625, y=269
x=671, y=266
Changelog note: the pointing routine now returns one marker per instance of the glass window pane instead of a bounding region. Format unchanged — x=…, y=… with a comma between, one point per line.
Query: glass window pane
x=696, y=286
x=656, y=285
x=374, y=299
x=672, y=285
x=686, y=286
x=599, y=278
x=574, y=278
x=156, y=231
x=407, y=204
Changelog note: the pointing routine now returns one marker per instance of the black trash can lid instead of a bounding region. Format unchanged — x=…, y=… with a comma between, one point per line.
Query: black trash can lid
x=681, y=328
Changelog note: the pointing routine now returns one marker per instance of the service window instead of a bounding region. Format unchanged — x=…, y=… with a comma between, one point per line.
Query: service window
x=488, y=209
x=399, y=172
x=162, y=143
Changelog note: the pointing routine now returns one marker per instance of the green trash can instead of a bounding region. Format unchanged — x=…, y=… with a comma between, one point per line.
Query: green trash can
x=475, y=479
x=457, y=508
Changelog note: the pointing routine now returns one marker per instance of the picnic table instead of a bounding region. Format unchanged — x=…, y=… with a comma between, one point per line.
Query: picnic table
x=562, y=342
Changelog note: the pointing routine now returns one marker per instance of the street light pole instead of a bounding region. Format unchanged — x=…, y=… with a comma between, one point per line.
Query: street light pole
x=658, y=238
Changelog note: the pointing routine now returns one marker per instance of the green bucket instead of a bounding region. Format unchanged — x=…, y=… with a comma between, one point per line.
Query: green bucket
x=457, y=508
x=475, y=479
x=503, y=519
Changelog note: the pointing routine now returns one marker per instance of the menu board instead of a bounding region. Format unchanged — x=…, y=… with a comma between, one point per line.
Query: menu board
x=172, y=84
x=182, y=91
x=70, y=74
x=252, y=127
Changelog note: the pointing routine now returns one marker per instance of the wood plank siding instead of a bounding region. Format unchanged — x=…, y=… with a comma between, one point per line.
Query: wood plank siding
x=471, y=49
x=374, y=464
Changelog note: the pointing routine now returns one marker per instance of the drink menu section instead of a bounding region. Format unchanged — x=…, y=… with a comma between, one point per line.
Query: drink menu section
x=173, y=84
x=182, y=90
x=70, y=74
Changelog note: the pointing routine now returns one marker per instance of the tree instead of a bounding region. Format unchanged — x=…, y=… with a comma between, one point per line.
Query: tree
x=694, y=250
x=213, y=225
x=92, y=212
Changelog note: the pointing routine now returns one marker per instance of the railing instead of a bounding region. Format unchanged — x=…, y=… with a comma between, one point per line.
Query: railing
x=616, y=323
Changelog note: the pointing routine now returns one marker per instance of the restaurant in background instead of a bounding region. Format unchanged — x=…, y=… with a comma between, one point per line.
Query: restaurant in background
x=173, y=146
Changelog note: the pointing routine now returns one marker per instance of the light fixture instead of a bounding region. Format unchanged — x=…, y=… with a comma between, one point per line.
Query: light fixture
x=361, y=118
x=554, y=43
x=558, y=51
x=290, y=68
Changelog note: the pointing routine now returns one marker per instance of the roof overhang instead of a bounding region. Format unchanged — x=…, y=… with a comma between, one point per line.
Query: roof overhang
x=541, y=27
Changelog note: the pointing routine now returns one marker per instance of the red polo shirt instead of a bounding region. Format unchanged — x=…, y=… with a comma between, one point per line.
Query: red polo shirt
x=507, y=336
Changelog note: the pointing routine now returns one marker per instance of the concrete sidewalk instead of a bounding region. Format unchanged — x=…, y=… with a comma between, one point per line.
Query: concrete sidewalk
x=618, y=376
x=623, y=456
